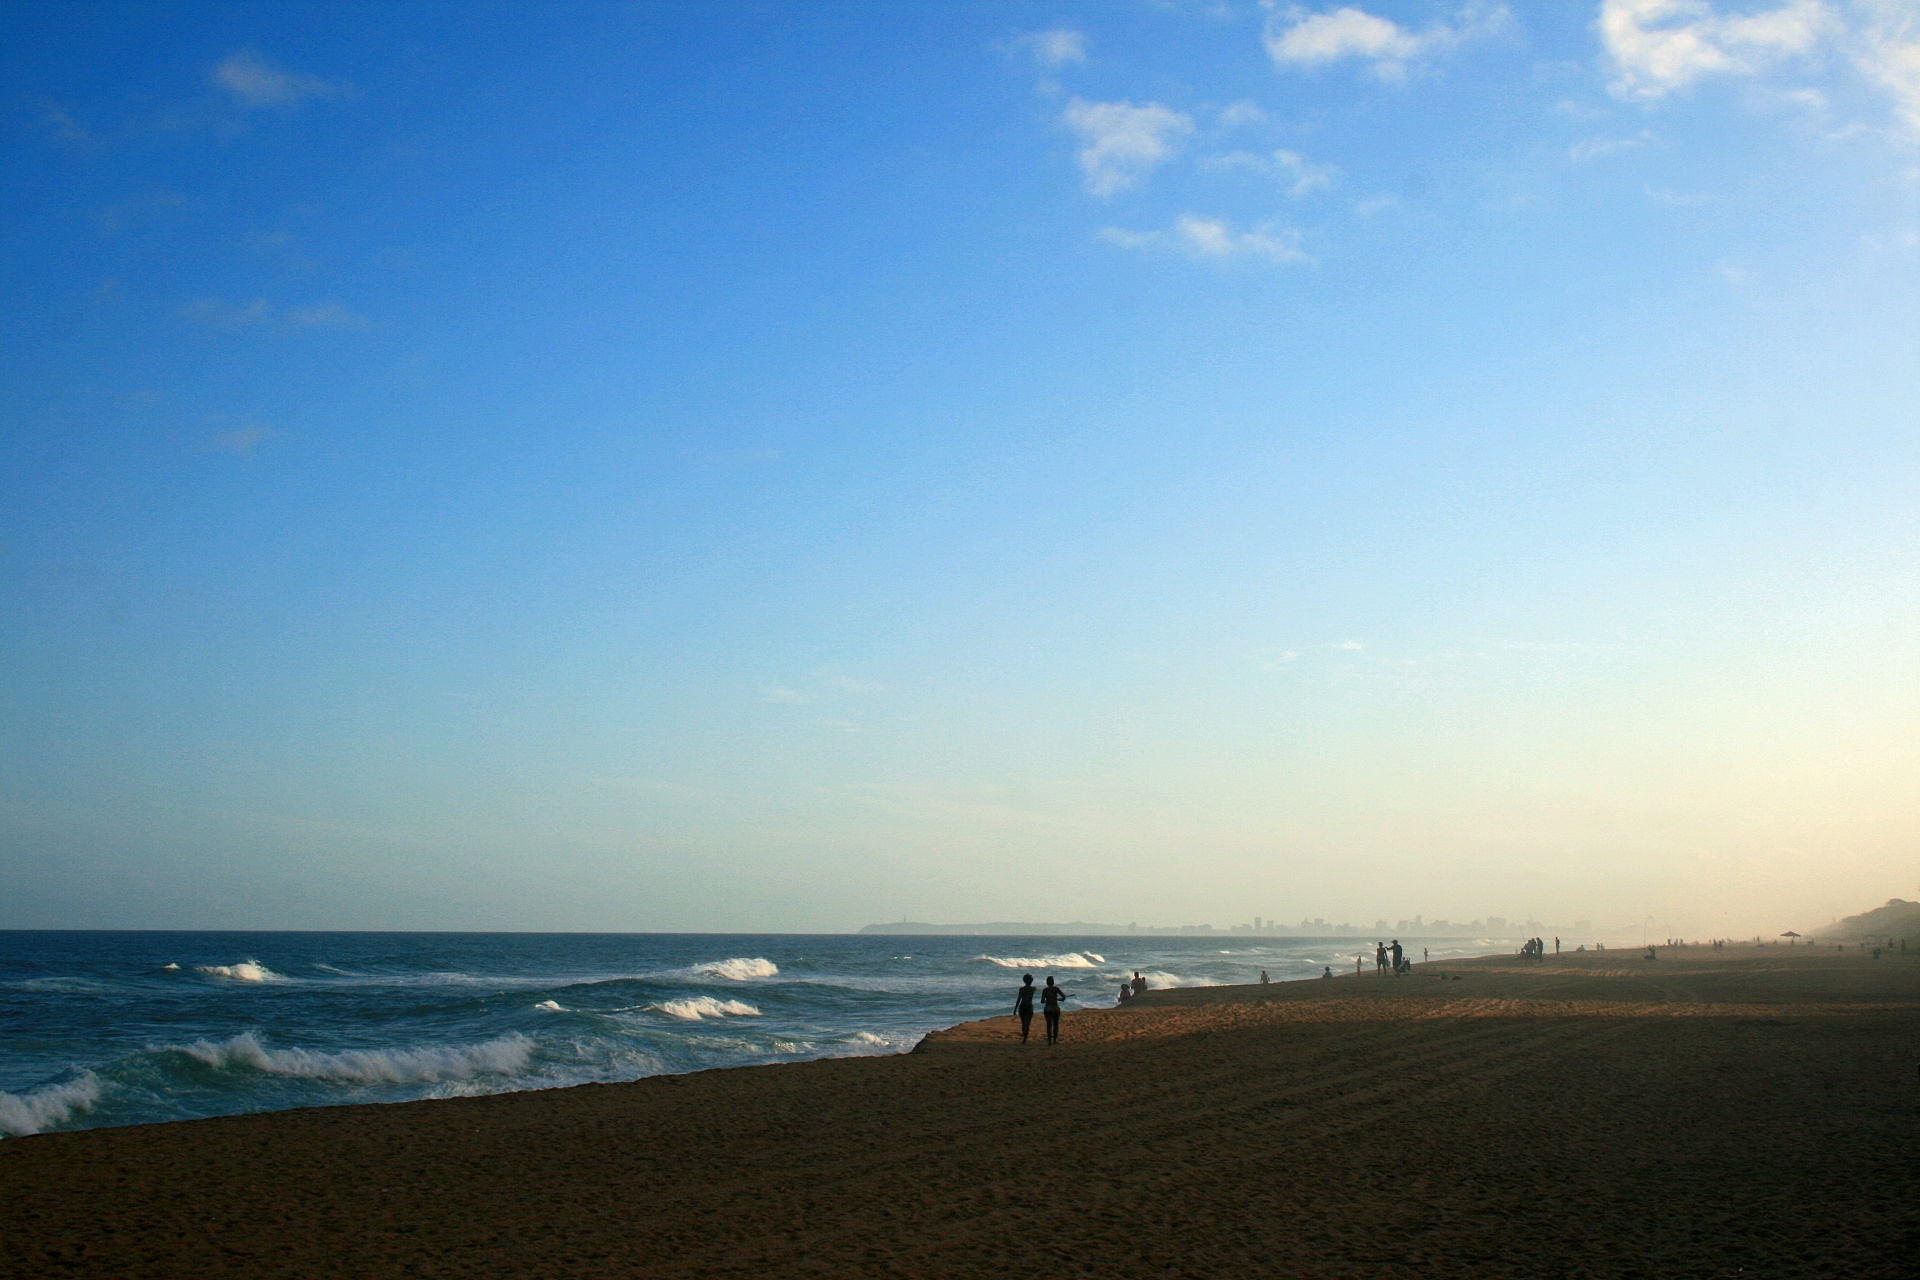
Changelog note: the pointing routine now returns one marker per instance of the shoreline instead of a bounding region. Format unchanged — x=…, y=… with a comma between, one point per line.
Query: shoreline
x=1315, y=1127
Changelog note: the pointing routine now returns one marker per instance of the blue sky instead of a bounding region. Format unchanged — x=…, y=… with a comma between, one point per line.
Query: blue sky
x=780, y=467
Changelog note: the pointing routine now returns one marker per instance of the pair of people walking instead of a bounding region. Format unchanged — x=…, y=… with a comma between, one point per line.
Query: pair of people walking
x=1050, y=998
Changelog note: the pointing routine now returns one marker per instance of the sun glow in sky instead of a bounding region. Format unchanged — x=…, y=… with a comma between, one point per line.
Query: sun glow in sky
x=779, y=467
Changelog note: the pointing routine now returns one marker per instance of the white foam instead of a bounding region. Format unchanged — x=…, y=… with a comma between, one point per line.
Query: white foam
x=698, y=1007
x=169, y=965
x=502, y=1057
x=550, y=1004
x=1160, y=980
x=1071, y=960
x=741, y=968
x=38, y=1109
x=245, y=971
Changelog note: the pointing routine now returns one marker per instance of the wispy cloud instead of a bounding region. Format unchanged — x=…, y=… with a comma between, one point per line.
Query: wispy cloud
x=1238, y=115
x=58, y=127
x=1675, y=199
x=1594, y=148
x=325, y=315
x=222, y=314
x=255, y=82
x=240, y=440
x=783, y=695
x=1214, y=239
x=1058, y=47
x=229, y=315
x=1297, y=38
x=1122, y=143
x=1656, y=48
x=1295, y=172
x=1659, y=46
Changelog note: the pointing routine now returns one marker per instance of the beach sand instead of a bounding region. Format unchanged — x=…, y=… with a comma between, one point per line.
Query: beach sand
x=1711, y=1113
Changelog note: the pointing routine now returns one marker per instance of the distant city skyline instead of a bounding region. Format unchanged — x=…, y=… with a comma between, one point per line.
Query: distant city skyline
x=747, y=468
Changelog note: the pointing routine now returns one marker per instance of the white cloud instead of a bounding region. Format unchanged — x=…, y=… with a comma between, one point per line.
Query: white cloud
x=1301, y=39
x=1675, y=199
x=1299, y=175
x=1658, y=46
x=1236, y=115
x=255, y=82
x=1214, y=239
x=1594, y=148
x=325, y=315
x=227, y=315
x=232, y=315
x=1123, y=143
x=1056, y=48
x=240, y=440
x=1889, y=55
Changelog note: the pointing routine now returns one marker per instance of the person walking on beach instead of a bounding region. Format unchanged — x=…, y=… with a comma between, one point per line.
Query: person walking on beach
x=1023, y=1005
x=1050, y=1005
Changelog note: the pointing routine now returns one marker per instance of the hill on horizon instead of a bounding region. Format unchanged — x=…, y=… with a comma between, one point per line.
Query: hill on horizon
x=1897, y=919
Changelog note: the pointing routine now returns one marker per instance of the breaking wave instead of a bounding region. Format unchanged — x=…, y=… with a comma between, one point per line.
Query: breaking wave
x=554, y=1005
x=1071, y=960
x=741, y=968
x=245, y=971
x=698, y=1007
x=42, y=1108
x=1161, y=980
x=503, y=1057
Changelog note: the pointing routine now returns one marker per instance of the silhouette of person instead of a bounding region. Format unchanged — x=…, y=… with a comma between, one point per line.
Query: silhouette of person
x=1139, y=983
x=1380, y=957
x=1023, y=1005
x=1050, y=999
x=1326, y=971
x=1126, y=992
x=1264, y=979
x=1396, y=957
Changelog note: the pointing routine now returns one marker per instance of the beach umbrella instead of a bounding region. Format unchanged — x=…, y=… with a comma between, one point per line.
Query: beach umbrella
x=1789, y=934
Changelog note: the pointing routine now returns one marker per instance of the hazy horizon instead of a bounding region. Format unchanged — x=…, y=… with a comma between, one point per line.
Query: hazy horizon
x=748, y=469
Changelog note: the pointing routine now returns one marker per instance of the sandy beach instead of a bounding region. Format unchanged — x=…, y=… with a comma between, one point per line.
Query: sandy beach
x=1710, y=1113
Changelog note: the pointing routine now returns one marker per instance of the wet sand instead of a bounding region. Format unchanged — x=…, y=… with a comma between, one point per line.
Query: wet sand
x=1744, y=1112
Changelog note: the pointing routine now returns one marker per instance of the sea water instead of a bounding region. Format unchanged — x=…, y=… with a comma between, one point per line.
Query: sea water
x=102, y=1028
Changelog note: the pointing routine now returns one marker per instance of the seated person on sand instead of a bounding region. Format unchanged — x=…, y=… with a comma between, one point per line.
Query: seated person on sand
x=1139, y=983
x=1126, y=992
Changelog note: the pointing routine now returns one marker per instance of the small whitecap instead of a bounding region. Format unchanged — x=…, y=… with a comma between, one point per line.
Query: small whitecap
x=740, y=968
x=699, y=1007
x=245, y=971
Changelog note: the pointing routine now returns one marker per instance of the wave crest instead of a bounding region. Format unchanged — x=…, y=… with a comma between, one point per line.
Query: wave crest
x=741, y=968
x=698, y=1007
x=37, y=1109
x=503, y=1057
x=1071, y=960
x=245, y=971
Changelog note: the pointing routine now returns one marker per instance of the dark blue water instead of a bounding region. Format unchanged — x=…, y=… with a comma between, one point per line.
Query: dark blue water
x=125, y=1028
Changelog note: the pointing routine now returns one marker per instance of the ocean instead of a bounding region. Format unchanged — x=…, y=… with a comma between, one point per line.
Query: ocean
x=111, y=1028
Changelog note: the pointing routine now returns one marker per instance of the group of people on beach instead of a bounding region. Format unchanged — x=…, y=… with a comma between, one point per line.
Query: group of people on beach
x=1536, y=948
x=1052, y=996
x=1387, y=957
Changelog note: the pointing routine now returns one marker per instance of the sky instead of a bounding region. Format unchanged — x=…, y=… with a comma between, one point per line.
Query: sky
x=754, y=467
